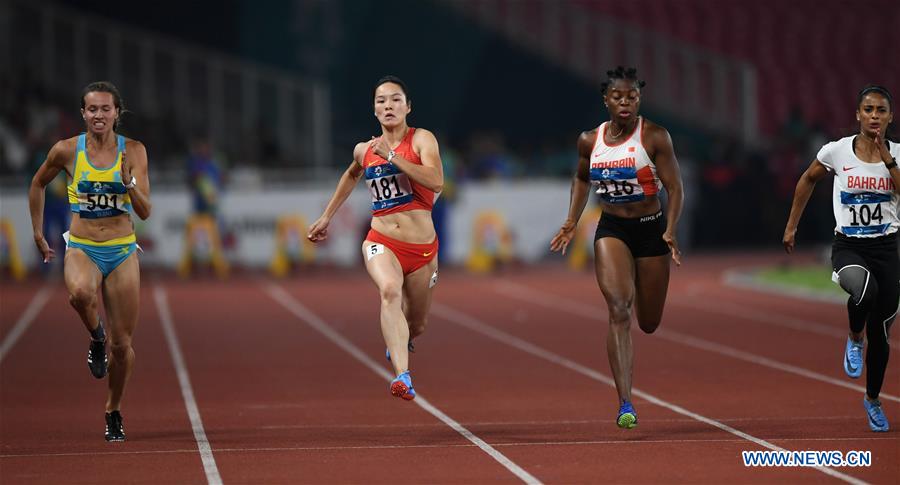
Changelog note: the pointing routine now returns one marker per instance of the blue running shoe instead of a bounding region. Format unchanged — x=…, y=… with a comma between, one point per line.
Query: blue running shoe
x=877, y=421
x=402, y=387
x=853, y=358
x=410, y=346
x=627, y=417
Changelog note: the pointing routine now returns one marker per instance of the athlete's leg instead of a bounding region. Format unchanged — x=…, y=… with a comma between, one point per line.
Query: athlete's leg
x=121, y=299
x=417, y=291
x=385, y=270
x=83, y=279
x=614, y=267
x=879, y=324
x=856, y=279
x=651, y=282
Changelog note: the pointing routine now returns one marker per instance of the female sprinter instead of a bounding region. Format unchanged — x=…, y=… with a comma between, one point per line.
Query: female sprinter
x=403, y=170
x=864, y=251
x=104, y=185
x=627, y=158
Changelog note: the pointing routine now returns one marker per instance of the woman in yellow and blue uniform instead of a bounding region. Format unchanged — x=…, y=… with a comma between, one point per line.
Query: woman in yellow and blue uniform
x=105, y=186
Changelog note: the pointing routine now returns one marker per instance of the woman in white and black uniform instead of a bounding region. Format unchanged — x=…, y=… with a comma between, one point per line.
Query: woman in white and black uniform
x=629, y=159
x=864, y=252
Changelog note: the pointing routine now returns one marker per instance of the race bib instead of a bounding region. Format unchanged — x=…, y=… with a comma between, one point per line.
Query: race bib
x=864, y=212
x=388, y=185
x=101, y=199
x=617, y=185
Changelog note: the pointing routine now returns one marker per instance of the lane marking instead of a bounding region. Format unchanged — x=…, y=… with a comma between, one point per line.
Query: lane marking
x=395, y=447
x=527, y=294
x=31, y=312
x=476, y=325
x=187, y=392
x=301, y=312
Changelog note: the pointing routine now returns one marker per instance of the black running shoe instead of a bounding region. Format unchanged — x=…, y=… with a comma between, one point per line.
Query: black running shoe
x=97, y=361
x=114, y=429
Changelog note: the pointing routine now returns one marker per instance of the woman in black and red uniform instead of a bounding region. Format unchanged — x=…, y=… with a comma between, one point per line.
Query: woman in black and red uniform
x=403, y=170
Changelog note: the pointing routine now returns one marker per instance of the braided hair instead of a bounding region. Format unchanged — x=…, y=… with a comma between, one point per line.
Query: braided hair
x=621, y=73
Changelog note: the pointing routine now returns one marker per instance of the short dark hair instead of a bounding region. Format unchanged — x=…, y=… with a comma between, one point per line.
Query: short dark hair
x=105, y=87
x=620, y=72
x=392, y=79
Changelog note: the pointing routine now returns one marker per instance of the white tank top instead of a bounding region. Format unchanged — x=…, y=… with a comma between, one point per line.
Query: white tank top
x=623, y=172
x=865, y=203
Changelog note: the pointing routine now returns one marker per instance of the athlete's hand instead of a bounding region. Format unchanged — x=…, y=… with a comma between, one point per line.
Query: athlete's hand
x=562, y=238
x=318, y=231
x=882, y=149
x=126, y=170
x=380, y=147
x=47, y=253
x=788, y=240
x=670, y=240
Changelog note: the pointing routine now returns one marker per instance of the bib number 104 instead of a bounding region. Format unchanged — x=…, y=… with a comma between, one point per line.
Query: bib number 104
x=386, y=188
x=863, y=215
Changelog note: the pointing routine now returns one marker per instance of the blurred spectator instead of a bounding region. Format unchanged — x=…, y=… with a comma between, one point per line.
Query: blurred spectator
x=204, y=178
x=440, y=213
x=491, y=159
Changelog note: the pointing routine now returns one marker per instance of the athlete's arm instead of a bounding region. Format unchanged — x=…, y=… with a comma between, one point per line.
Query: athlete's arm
x=431, y=172
x=887, y=158
x=134, y=164
x=578, y=194
x=670, y=175
x=55, y=163
x=805, y=186
x=318, y=231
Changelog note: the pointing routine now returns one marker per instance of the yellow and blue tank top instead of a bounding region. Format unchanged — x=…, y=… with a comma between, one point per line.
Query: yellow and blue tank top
x=98, y=192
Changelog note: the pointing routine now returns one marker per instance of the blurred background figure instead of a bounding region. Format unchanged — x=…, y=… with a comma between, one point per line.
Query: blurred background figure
x=205, y=178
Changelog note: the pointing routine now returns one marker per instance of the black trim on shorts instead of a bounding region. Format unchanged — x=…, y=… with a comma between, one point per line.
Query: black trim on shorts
x=642, y=235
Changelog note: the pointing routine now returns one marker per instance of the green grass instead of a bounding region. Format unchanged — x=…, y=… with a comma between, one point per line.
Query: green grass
x=815, y=278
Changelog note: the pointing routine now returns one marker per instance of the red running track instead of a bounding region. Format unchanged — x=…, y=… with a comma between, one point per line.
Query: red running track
x=517, y=359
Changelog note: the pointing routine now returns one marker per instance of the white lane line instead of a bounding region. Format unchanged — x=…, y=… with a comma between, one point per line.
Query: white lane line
x=551, y=423
x=524, y=293
x=736, y=280
x=454, y=445
x=476, y=325
x=300, y=311
x=31, y=312
x=187, y=392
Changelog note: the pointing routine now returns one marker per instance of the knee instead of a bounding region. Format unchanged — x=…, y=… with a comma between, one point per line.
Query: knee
x=649, y=325
x=81, y=298
x=120, y=349
x=860, y=284
x=620, y=311
x=417, y=327
x=391, y=293
x=867, y=294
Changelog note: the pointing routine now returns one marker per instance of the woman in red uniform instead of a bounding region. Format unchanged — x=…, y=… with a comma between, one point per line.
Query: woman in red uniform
x=403, y=171
x=628, y=158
